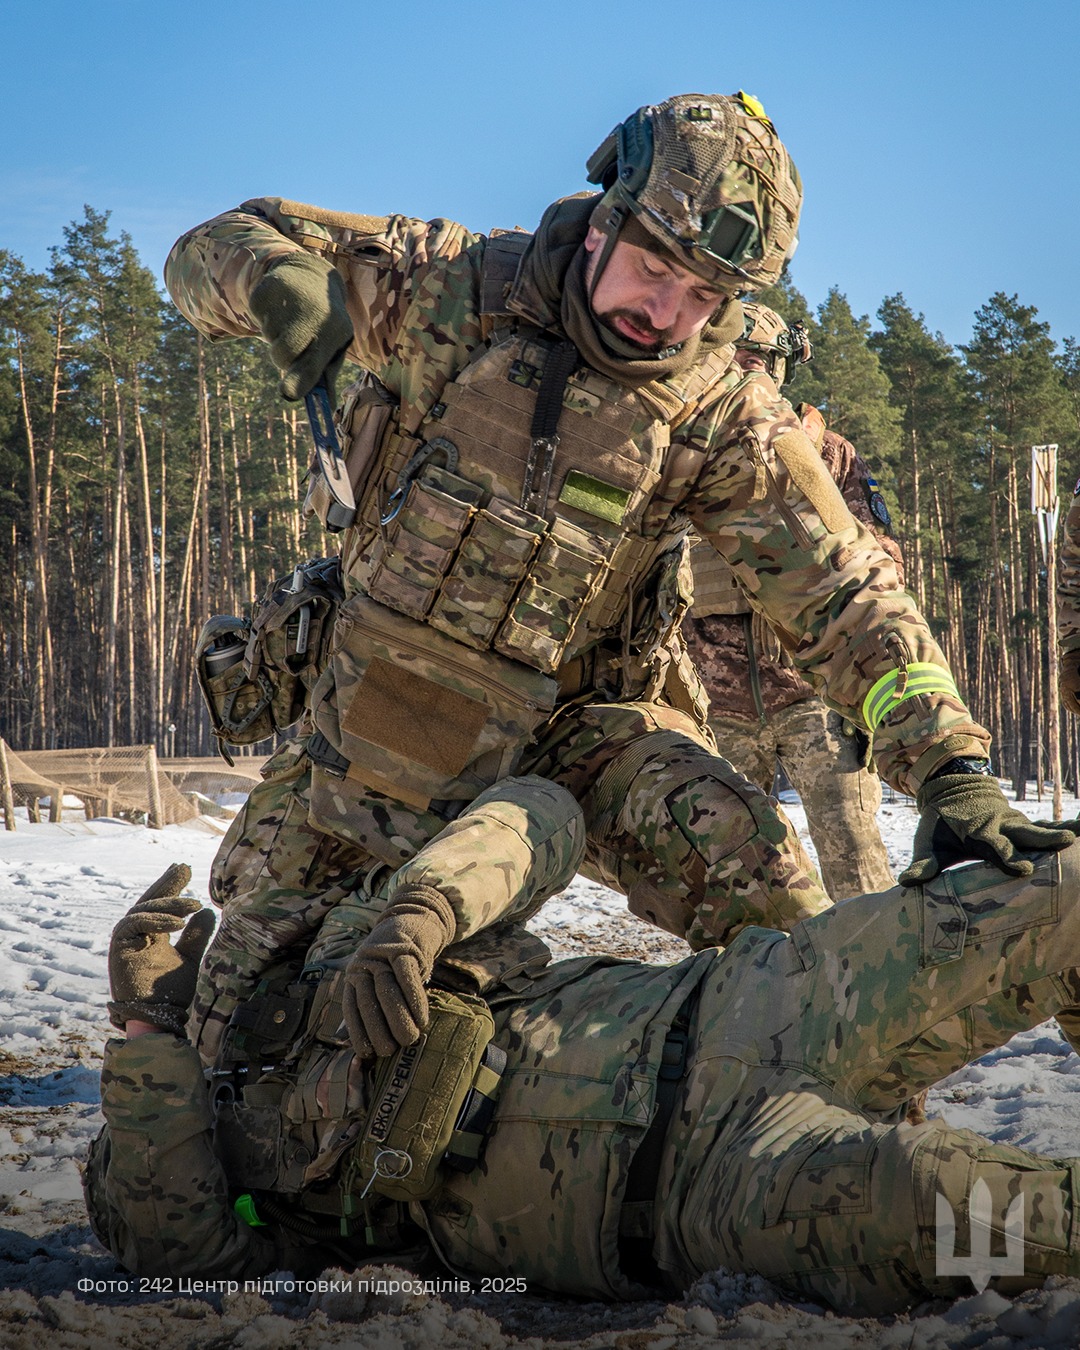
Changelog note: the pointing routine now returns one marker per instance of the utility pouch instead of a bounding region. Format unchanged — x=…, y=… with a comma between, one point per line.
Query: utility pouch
x=290, y=633
x=367, y=411
x=255, y=673
x=504, y=956
x=419, y=717
x=247, y=1140
x=266, y=1024
x=658, y=667
x=492, y=562
x=432, y=1103
x=716, y=587
x=240, y=702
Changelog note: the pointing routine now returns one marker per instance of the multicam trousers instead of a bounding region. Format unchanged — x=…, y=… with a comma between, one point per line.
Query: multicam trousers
x=840, y=794
x=280, y=880
x=697, y=849
x=784, y=1157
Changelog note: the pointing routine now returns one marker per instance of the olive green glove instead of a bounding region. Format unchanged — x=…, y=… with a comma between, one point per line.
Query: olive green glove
x=966, y=816
x=150, y=979
x=1069, y=681
x=300, y=307
x=384, y=1002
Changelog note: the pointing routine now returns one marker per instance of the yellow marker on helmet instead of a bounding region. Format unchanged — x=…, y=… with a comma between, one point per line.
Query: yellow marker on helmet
x=755, y=108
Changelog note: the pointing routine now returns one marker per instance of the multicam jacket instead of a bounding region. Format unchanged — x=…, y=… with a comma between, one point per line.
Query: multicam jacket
x=719, y=639
x=439, y=533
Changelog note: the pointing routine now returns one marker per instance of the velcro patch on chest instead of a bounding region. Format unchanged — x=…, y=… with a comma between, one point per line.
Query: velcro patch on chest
x=594, y=497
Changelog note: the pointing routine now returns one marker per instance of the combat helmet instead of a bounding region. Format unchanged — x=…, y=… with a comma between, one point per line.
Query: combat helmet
x=782, y=346
x=706, y=177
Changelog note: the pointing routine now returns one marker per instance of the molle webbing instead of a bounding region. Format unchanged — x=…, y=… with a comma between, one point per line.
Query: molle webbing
x=716, y=590
x=502, y=258
x=544, y=430
x=631, y=563
x=529, y=533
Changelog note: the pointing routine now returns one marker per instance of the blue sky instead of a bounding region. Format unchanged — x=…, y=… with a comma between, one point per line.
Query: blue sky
x=939, y=143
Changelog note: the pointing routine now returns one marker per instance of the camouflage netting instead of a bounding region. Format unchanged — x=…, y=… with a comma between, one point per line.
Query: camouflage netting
x=121, y=780
x=211, y=777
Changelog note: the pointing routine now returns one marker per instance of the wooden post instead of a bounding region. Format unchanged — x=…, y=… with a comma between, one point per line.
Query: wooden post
x=1054, y=707
x=1044, y=506
x=156, y=817
x=5, y=788
x=56, y=803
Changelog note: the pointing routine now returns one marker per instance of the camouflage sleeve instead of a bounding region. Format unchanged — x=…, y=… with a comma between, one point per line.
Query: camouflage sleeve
x=862, y=494
x=767, y=503
x=165, y=1194
x=1068, y=583
x=213, y=268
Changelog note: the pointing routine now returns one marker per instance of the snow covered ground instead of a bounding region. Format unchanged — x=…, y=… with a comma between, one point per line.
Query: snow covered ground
x=63, y=886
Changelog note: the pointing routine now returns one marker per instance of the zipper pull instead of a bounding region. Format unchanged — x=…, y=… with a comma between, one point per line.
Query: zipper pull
x=897, y=649
x=753, y=450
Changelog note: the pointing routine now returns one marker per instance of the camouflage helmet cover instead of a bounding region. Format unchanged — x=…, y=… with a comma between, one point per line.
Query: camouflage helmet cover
x=771, y=336
x=707, y=176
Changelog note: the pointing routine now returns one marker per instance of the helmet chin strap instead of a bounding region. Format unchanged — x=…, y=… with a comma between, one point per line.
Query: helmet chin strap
x=608, y=219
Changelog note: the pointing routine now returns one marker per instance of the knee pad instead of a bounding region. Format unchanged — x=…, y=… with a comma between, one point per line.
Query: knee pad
x=682, y=825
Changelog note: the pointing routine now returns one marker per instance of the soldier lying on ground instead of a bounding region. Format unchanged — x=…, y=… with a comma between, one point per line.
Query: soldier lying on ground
x=544, y=418
x=761, y=710
x=741, y=1109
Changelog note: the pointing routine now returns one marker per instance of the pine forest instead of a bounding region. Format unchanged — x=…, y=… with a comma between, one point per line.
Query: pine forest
x=151, y=479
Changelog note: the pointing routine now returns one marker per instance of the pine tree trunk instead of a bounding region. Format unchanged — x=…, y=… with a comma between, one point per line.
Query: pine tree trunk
x=148, y=597
x=38, y=633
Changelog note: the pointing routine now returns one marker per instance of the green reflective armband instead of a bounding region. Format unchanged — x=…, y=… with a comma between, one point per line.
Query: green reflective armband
x=244, y=1206
x=923, y=677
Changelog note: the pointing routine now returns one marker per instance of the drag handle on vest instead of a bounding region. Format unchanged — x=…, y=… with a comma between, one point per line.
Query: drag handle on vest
x=331, y=462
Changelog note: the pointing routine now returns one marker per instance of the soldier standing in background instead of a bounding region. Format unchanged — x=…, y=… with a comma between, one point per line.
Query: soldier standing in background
x=544, y=418
x=760, y=709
